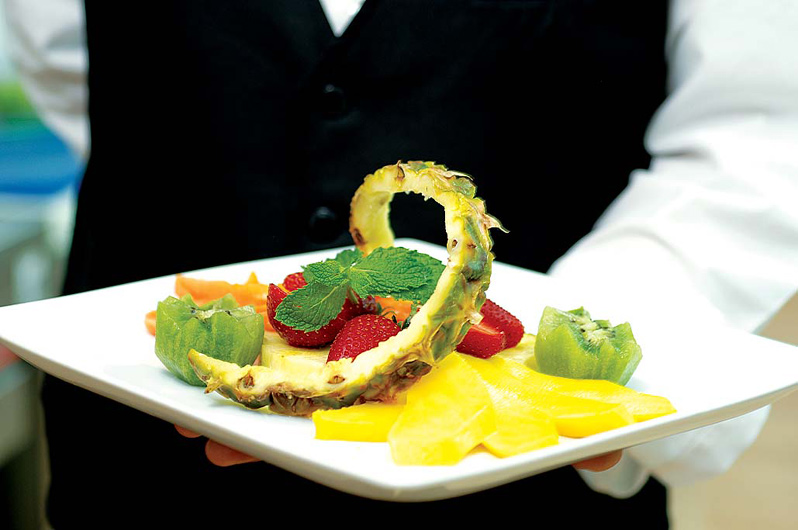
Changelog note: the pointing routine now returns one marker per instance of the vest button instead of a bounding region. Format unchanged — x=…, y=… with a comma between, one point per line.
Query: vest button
x=323, y=225
x=333, y=100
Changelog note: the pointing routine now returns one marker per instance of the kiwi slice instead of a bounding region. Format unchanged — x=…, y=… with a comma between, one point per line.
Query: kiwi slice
x=572, y=344
x=220, y=329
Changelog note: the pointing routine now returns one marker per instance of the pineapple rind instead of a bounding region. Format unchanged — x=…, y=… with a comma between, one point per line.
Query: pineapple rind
x=433, y=333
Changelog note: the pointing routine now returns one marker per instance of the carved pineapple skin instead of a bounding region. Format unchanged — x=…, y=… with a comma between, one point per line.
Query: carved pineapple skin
x=381, y=373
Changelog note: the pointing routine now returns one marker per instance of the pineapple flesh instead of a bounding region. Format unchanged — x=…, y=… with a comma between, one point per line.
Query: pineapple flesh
x=440, y=324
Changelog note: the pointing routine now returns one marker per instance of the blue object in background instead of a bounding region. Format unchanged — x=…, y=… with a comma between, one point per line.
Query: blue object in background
x=34, y=161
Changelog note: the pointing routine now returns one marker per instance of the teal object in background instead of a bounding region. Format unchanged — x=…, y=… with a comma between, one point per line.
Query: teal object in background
x=33, y=160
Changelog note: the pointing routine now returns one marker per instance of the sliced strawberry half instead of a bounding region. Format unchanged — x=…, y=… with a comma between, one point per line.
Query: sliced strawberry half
x=499, y=318
x=498, y=330
x=482, y=341
x=307, y=339
x=360, y=334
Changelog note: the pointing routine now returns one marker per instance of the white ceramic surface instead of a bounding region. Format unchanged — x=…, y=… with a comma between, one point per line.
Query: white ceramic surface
x=97, y=340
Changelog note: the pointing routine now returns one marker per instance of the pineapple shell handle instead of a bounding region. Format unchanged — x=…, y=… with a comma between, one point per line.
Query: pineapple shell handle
x=433, y=333
x=460, y=291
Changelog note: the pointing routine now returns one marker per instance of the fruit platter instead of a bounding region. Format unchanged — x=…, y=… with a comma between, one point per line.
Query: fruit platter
x=400, y=370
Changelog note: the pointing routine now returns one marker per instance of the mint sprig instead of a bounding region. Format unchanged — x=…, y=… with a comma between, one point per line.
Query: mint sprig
x=394, y=272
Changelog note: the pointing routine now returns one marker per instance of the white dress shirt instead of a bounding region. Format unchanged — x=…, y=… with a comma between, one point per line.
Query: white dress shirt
x=709, y=230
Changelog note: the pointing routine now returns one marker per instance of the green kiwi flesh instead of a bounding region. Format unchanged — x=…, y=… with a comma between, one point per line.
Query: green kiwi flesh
x=572, y=344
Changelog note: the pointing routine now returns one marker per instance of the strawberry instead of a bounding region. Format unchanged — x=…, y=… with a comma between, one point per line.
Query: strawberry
x=294, y=281
x=498, y=330
x=482, y=341
x=307, y=339
x=371, y=305
x=499, y=318
x=360, y=334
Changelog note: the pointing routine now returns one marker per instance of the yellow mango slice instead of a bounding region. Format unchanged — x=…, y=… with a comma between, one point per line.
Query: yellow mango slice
x=641, y=406
x=520, y=425
x=368, y=422
x=448, y=413
x=579, y=417
x=574, y=417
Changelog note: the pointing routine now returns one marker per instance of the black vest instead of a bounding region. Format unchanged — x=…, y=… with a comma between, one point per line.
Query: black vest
x=238, y=130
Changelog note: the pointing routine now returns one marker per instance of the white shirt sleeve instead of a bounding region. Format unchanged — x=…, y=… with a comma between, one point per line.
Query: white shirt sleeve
x=47, y=45
x=710, y=230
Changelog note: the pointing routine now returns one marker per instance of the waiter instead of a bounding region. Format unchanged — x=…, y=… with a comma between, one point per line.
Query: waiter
x=225, y=132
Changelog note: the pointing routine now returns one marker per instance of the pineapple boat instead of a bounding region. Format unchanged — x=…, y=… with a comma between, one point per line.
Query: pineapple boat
x=380, y=373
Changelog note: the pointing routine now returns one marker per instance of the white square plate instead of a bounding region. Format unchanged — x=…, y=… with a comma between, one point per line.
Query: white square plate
x=97, y=340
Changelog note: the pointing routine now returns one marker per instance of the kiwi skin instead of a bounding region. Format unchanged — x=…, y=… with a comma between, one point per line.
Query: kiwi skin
x=572, y=344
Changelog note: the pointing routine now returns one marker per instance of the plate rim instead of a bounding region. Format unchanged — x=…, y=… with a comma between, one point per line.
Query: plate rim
x=511, y=469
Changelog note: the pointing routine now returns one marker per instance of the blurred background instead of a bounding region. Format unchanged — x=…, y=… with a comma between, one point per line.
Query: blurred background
x=38, y=178
x=39, y=175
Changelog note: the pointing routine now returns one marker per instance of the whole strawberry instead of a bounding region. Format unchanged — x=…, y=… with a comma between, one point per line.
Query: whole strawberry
x=294, y=281
x=360, y=334
x=307, y=339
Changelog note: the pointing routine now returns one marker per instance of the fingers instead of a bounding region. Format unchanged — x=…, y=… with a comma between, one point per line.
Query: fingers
x=601, y=462
x=224, y=456
x=185, y=432
x=218, y=454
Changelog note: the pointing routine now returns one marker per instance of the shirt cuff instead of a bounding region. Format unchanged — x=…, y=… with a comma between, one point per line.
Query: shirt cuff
x=681, y=459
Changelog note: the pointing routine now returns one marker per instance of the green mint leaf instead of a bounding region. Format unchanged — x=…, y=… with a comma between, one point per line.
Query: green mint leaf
x=393, y=271
x=435, y=266
x=387, y=270
x=313, y=306
x=329, y=272
x=419, y=295
x=347, y=257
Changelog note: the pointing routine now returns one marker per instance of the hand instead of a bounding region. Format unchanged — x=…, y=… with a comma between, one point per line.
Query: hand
x=219, y=454
x=601, y=462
